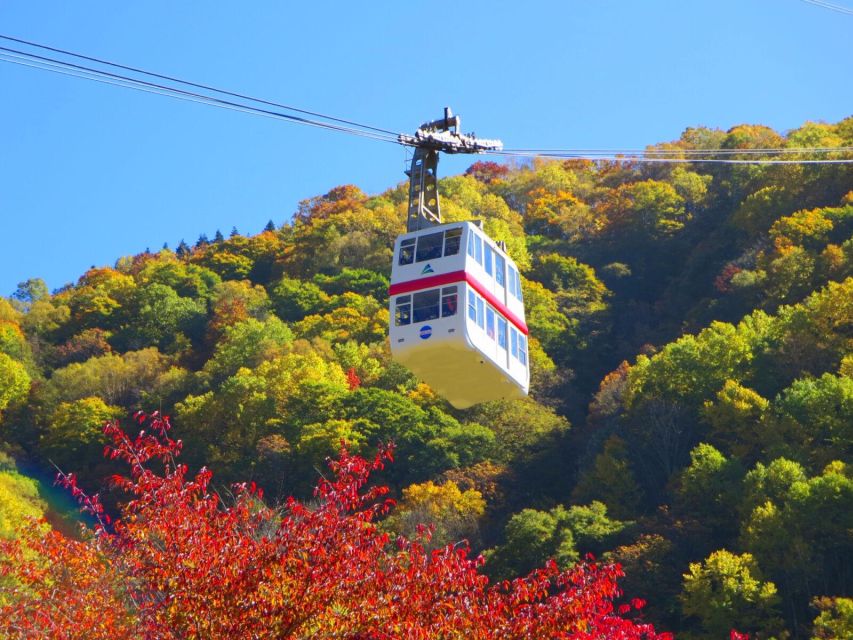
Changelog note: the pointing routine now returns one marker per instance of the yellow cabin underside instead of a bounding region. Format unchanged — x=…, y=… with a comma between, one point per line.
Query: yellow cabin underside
x=461, y=375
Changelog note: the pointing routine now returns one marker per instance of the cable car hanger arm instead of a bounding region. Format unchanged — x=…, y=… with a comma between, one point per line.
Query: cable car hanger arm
x=430, y=138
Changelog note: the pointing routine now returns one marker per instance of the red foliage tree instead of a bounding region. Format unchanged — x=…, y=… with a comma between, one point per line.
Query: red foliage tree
x=486, y=171
x=723, y=282
x=182, y=564
x=353, y=380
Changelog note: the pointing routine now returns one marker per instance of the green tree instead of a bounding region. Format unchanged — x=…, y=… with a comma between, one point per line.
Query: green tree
x=835, y=620
x=795, y=526
x=758, y=210
x=708, y=489
x=522, y=428
x=650, y=207
x=532, y=537
x=578, y=290
x=267, y=410
x=13, y=342
x=352, y=317
x=592, y=529
x=361, y=281
x=736, y=418
x=665, y=393
x=157, y=317
x=692, y=368
x=727, y=591
x=428, y=441
x=771, y=482
x=691, y=186
x=187, y=279
x=812, y=420
x=117, y=379
x=30, y=291
x=610, y=480
x=320, y=440
x=75, y=431
x=294, y=299
x=247, y=344
x=557, y=333
x=14, y=381
x=229, y=266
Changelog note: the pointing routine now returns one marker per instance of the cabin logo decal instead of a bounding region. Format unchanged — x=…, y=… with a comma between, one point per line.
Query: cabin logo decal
x=427, y=269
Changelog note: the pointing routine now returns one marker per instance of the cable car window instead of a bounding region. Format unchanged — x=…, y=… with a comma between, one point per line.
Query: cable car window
x=488, y=259
x=429, y=247
x=452, y=237
x=522, y=349
x=490, y=322
x=500, y=268
x=403, y=311
x=472, y=306
x=471, y=243
x=511, y=272
x=407, y=251
x=478, y=249
x=425, y=305
x=501, y=332
x=518, y=293
x=448, y=302
x=513, y=342
x=481, y=316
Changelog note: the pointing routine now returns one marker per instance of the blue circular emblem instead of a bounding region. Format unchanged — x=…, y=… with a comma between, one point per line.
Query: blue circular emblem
x=426, y=332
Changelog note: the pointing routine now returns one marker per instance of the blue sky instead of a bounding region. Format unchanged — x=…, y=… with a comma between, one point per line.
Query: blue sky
x=90, y=172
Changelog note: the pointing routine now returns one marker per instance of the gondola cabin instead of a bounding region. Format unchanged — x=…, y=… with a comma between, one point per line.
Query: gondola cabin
x=457, y=314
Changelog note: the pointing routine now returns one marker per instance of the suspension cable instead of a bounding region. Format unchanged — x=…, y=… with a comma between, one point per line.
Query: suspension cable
x=351, y=127
x=66, y=68
x=194, y=84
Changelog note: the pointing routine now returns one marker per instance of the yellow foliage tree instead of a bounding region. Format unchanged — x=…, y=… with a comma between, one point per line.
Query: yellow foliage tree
x=452, y=512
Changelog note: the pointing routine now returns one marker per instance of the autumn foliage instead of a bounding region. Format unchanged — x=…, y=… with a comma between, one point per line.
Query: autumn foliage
x=183, y=562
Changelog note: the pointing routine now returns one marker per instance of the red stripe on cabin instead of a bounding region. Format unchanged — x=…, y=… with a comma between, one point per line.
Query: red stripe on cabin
x=455, y=277
x=426, y=283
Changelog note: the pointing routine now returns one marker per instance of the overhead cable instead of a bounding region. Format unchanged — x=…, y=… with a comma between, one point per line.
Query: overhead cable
x=319, y=120
x=832, y=7
x=666, y=160
x=51, y=64
x=654, y=151
x=194, y=84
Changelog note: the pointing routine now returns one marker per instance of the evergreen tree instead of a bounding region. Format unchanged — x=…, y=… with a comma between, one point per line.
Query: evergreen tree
x=234, y=232
x=30, y=291
x=270, y=226
x=218, y=237
x=202, y=241
x=183, y=249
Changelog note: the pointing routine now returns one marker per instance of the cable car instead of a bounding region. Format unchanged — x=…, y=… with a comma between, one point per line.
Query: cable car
x=457, y=314
x=457, y=311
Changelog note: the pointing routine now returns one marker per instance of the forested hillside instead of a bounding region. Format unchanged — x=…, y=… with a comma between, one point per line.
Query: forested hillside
x=691, y=409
